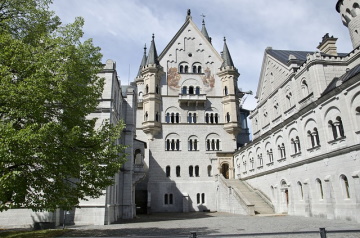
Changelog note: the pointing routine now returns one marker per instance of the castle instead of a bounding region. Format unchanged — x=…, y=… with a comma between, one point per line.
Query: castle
x=188, y=139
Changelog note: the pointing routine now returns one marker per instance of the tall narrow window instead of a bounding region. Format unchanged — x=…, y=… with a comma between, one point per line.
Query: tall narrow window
x=191, y=90
x=191, y=171
x=216, y=118
x=167, y=171
x=181, y=69
x=167, y=144
x=184, y=90
x=227, y=117
x=194, y=69
x=198, y=198
x=197, y=91
x=203, y=198
x=225, y=91
x=320, y=188
x=157, y=116
x=172, y=118
x=211, y=118
x=207, y=144
x=146, y=116
x=186, y=69
x=157, y=89
x=207, y=117
x=167, y=118
x=194, y=117
x=178, y=171
x=190, y=145
x=147, y=88
x=195, y=144
x=345, y=184
x=199, y=69
x=197, y=171
x=340, y=125
x=190, y=118
x=301, y=190
x=171, y=201
x=177, y=118
x=177, y=144
x=209, y=170
x=166, y=199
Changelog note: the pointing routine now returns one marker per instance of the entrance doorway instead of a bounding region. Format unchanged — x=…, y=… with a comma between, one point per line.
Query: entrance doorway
x=225, y=170
x=141, y=201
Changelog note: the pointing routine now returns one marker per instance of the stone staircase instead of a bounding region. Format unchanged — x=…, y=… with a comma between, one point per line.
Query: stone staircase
x=260, y=206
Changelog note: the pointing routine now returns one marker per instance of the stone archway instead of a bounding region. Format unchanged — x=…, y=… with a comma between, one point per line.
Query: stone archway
x=225, y=170
x=284, y=197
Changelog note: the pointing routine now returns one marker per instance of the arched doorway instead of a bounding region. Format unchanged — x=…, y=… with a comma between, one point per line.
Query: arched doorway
x=225, y=170
x=285, y=197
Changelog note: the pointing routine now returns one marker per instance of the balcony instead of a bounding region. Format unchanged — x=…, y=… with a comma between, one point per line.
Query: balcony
x=188, y=99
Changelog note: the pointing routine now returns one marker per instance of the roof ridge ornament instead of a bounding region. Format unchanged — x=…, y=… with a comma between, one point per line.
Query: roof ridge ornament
x=188, y=15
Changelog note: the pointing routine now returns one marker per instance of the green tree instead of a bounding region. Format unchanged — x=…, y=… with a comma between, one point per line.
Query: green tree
x=51, y=155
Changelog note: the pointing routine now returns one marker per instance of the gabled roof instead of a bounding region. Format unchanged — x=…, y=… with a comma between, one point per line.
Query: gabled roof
x=345, y=77
x=188, y=21
x=283, y=55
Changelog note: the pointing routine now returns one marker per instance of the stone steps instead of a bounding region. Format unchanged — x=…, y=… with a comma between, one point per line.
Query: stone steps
x=260, y=206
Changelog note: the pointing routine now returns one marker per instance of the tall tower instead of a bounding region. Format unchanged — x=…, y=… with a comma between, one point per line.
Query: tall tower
x=350, y=15
x=151, y=74
x=229, y=77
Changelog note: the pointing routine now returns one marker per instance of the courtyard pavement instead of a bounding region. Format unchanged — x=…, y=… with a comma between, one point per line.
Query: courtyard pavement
x=217, y=225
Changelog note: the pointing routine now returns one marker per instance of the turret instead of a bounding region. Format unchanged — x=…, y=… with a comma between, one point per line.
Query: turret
x=229, y=77
x=140, y=81
x=350, y=16
x=151, y=74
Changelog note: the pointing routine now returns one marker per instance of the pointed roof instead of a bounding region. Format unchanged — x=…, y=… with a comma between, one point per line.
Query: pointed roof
x=204, y=31
x=143, y=62
x=226, y=56
x=152, y=56
x=188, y=22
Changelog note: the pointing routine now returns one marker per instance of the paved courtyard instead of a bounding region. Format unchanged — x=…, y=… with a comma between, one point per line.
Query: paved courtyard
x=216, y=225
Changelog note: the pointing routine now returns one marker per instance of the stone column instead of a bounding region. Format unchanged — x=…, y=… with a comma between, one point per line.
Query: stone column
x=307, y=198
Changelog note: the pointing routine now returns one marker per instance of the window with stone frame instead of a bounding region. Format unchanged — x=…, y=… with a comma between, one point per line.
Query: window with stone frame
x=345, y=186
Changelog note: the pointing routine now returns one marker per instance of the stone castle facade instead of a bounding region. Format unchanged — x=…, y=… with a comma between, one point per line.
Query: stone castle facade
x=188, y=140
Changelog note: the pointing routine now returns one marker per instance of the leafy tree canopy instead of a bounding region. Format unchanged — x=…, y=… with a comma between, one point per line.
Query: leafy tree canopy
x=51, y=154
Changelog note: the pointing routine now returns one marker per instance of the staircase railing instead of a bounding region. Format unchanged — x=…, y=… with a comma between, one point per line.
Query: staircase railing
x=238, y=195
x=260, y=193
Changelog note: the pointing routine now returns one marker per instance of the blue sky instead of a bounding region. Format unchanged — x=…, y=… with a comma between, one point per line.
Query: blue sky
x=122, y=27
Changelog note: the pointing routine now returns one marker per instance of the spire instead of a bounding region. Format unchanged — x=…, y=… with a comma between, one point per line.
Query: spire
x=188, y=15
x=143, y=62
x=204, y=31
x=226, y=56
x=152, y=56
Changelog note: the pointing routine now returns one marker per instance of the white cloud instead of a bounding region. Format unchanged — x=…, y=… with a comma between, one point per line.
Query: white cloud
x=122, y=27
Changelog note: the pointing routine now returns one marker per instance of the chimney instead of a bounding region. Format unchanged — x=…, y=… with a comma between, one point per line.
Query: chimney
x=328, y=45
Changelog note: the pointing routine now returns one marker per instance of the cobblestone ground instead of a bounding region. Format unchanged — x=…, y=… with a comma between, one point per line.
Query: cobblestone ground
x=216, y=225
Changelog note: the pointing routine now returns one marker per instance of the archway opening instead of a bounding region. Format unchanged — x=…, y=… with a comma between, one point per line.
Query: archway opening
x=225, y=170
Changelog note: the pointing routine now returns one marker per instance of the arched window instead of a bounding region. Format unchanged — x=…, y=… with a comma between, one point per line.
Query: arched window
x=147, y=89
x=340, y=125
x=225, y=91
x=199, y=70
x=216, y=118
x=207, y=117
x=337, y=128
x=197, y=91
x=198, y=198
x=304, y=88
x=181, y=69
x=301, y=191
x=209, y=170
x=167, y=118
x=178, y=171
x=203, y=198
x=177, y=118
x=227, y=117
x=157, y=89
x=345, y=185
x=172, y=118
x=191, y=171
x=184, y=90
x=320, y=188
x=211, y=118
x=138, y=157
x=191, y=90
x=197, y=171
x=194, y=117
x=190, y=145
x=190, y=118
x=186, y=69
x=194, y=69
x=167, y=171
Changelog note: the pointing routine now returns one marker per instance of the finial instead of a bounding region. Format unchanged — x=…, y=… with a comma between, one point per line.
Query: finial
x=189, y=12
x=153, y=36
x=203, y=22
x=145, y=49
x=224, y=39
